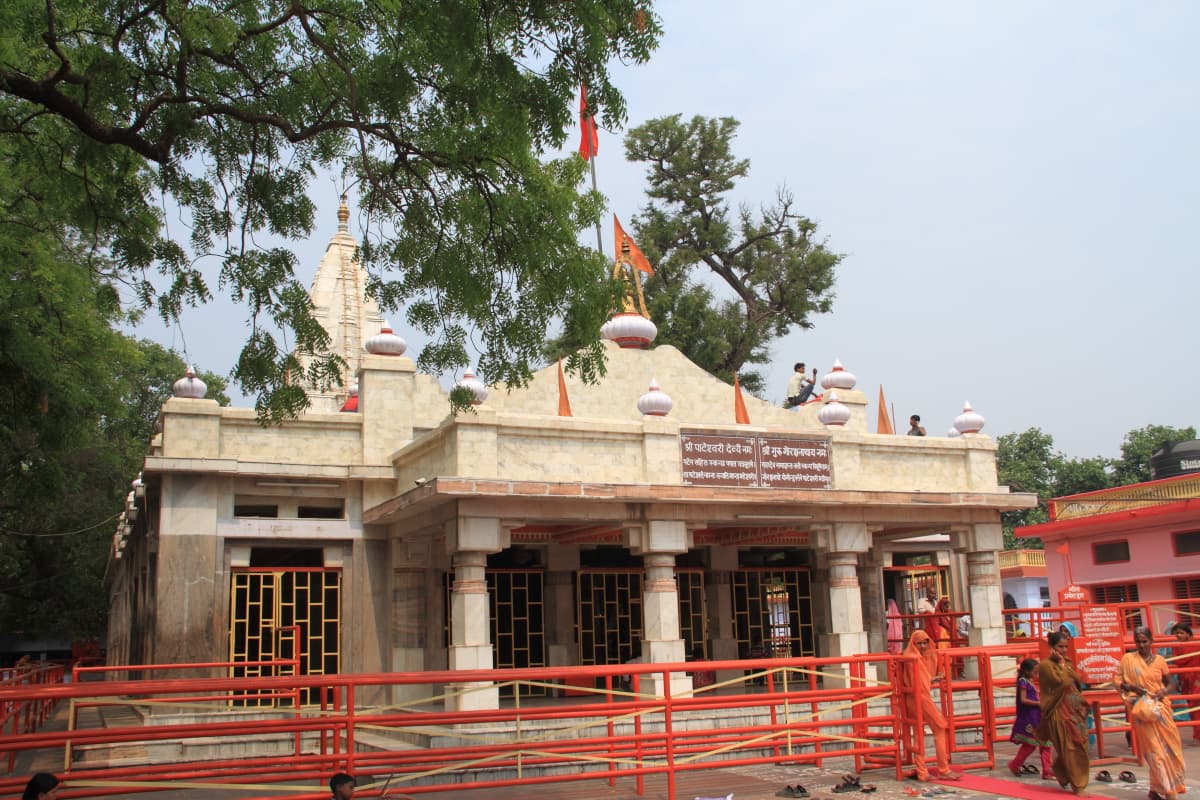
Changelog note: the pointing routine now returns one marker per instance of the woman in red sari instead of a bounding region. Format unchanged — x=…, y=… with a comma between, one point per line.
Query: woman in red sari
x=1064, y=715
x=917, y=694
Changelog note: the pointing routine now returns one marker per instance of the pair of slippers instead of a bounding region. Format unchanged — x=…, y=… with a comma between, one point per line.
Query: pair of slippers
x=850, y=783
x=792, y=791
x=1104, y=776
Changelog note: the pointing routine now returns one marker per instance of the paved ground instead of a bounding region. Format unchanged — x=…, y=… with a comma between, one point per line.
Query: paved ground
x=763, y=782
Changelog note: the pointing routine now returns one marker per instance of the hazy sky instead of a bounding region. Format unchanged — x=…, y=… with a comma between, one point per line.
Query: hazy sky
x=1013, y=184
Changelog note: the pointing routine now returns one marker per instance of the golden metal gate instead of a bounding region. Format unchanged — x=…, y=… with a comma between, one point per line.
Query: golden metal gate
x=516, y=605
x=608, y=610
x=265, y=603
x=772, y=612
x=693, y=610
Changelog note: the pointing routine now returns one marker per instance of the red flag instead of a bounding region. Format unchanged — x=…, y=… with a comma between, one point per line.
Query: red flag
x=739, y=404
x=883, y=423
x=1063, y=548
x=564, y=402
x=589, y=140
x=624, y=244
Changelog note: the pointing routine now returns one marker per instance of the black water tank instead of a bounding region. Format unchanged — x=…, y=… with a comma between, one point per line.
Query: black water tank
x=1177, y=459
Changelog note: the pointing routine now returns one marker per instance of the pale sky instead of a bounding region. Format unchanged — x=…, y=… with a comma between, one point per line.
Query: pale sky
x=1013, y=185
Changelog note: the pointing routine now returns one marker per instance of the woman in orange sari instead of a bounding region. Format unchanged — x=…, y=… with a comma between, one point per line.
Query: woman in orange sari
x=943, y=624
x=918, y=674
x=1142, y=679
x=1064, y=715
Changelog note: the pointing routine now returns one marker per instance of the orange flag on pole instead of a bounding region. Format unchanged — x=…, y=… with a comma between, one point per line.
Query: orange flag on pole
x=589, y=139
x=739, y=404
x=624, y=243
x=564, y=402
x=883, y=423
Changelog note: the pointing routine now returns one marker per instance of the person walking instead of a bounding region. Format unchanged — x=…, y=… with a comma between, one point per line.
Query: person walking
x=1029, y=717
x=342, y=786
x=1064, y=715
x=895, y=628
x=1187, y=658
x=1142, y=680
x=42, y=786
x=918, y=675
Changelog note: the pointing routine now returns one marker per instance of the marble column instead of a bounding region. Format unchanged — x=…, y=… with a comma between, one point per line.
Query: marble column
x=468, y=542
x=658, y=542
x=985, y=600
x=844, y=543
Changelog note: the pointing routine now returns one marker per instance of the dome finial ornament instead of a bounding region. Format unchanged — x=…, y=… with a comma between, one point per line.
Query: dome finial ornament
x=833, y=414
x=189, y=385
x=969, y=421
x=655, y=402
x=344, y=216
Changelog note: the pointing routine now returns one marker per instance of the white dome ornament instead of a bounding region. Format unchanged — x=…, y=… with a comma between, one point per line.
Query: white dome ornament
x=833, y=414
x=655, y=402
x=953, y=433
x=189, y=386
x=839, y=377
x=386, y=343
x=968, y=421
x=630, y=330
x=469, y=381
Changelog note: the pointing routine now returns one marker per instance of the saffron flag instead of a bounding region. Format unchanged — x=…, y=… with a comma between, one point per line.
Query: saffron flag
x=624, y=244
x=1063, y=548
x=564, y=402
x=589, y=139
x=740, y=416
x=883, y=423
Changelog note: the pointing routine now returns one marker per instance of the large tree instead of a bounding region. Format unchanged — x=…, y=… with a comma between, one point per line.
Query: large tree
x=78, y=402
x=222, y=113
x=727, y=282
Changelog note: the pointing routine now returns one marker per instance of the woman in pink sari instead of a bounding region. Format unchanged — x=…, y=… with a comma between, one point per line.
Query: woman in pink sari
x=895, y=628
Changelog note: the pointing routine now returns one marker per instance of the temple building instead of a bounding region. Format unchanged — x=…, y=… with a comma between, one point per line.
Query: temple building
x=555, y=524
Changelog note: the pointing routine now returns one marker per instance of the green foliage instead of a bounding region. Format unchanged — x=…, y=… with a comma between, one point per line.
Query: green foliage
x=226, y=112
x=776, y=267
x=78, y=402
x=1142, y=443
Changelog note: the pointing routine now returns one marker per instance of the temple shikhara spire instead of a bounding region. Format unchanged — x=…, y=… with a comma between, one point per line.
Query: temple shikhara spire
x=341, y=305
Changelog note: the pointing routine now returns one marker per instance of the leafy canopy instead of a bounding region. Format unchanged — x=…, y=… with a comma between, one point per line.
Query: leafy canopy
x=224, y=112
x=777, y=268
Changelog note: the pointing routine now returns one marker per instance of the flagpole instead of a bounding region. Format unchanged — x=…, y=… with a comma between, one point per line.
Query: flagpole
x=599, y=236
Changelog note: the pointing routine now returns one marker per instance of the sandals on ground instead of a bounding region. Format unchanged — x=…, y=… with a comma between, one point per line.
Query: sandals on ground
x=1104, y=776
x=1128, y=777
x=792, y=791
x=849, y=784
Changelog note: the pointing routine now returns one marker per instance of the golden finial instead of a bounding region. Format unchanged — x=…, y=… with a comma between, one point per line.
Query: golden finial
x=343, y=216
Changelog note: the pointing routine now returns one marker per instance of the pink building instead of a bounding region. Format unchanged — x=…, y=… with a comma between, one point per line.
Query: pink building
x=1136, y=543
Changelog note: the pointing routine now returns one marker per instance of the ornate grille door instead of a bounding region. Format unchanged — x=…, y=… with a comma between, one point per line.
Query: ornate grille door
x=772, y=608
x=275, y=613
x=609, y=614
x=518, y=620
x=693, y=609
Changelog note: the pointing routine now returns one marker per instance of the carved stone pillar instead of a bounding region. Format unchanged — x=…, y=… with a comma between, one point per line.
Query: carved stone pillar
x=844, y=542
x=985, y=600
x=658, y=542
x=468, y=541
